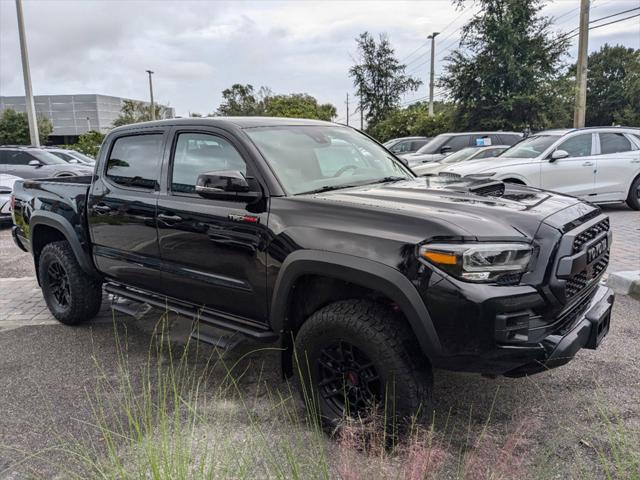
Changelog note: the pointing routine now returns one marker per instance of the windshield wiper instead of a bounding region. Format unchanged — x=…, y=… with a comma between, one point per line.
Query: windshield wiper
x=327, y=188
x=387, y=180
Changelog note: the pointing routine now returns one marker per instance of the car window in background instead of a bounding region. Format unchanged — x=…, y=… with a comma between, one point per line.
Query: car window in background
x=530, y=147
x=401, y=147
x=198, y=153
x=509, y=138
x=578, y=146
x=434, y=145
x=135, y=161
x=46, y=158
x=309, y=158
x=457, y=142
x=460, y=155
x=614, y=143
x=64, y=156
x=18, y=157
x=83, y=157
x=489, y=152
x=417, y=144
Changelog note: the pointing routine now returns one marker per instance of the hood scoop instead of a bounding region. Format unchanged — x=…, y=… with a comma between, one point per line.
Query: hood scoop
x=483, y=188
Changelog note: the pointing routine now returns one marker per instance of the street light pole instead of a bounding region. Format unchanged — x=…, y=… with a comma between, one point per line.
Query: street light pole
x=581, y=70
x=26, y=75
x=153, y=108
x=432, y=37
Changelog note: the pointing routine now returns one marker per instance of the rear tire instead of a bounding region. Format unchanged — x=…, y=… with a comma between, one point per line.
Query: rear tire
x=71, y=295
x=633, y=199
x=355, y=355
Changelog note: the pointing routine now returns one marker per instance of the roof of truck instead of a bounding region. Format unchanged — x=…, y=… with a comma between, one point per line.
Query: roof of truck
x=241, y=122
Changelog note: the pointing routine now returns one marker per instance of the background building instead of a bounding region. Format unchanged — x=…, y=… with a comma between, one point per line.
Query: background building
x=73, y=115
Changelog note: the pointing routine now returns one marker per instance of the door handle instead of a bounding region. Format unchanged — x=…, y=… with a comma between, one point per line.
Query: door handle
x=169, y=218
x=101, y=208
x=587, y=164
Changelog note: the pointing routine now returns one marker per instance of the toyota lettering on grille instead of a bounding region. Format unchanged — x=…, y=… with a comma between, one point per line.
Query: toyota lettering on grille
x=596, y=250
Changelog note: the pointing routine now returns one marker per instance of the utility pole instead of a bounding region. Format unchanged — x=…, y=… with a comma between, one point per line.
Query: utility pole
x=153, y=108
x=26, y=75
x=347, y=109
x=581, y=77
x=432, y=37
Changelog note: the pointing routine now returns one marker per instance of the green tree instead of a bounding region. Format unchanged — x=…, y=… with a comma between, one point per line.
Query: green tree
x=14, y=128
x=507, y=58
x=613, y=86
x=241, y=100
x=413, y=120
x=379, y=78
x=133, y=111
x=88, y=143
x=298, y=105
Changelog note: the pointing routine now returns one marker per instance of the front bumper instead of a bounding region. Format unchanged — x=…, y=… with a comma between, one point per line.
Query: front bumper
x=587, y=331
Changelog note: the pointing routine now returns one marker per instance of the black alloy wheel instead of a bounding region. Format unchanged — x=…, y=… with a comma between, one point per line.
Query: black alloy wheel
x=58, y=281
x=348, y=380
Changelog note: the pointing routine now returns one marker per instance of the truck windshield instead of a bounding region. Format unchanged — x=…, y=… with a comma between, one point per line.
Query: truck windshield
x=530, y=147
x=313, y=158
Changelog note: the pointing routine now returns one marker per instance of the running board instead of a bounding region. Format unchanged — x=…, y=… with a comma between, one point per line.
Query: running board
x=223, y=342
x=208, y=317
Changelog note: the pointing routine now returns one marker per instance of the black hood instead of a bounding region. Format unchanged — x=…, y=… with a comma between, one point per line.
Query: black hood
x=468, y=208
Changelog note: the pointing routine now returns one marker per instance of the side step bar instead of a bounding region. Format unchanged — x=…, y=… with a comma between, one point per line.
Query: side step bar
x=205, y=316
x=224, y=342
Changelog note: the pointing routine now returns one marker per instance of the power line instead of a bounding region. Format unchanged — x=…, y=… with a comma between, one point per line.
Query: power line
x=604, y=25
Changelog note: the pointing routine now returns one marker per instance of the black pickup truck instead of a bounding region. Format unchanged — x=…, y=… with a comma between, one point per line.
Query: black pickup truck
x=312, y=234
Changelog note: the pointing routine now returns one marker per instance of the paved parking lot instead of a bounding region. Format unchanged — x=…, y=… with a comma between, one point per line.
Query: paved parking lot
x=48, y=369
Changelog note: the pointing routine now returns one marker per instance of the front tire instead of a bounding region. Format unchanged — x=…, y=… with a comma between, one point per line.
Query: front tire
x=359, y=357
x=71, y=295
x=633, y=199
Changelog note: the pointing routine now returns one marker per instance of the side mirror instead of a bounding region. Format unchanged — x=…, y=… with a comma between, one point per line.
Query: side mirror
x=404, y=161
x=35, y=163
x=229, y=185
x=558, y=155
x=445, y=150
x=73, y=160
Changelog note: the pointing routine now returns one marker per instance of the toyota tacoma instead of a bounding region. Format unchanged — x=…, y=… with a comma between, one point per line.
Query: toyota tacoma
x=313, y=235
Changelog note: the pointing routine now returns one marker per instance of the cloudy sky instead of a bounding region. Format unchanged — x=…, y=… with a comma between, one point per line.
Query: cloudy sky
x=198, y=48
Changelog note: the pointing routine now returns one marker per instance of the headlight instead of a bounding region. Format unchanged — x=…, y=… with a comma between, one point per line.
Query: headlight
x=478, y=262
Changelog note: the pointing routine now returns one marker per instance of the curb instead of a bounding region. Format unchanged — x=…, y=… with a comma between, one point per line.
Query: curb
x=625, y=283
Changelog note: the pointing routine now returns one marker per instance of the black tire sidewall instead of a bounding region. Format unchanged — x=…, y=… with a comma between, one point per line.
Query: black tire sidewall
x=85, y=292
x=400, y=383
x=632, y=199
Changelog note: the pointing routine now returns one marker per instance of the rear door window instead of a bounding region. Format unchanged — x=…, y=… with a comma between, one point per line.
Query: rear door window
x=614, y=143
x=135, y=160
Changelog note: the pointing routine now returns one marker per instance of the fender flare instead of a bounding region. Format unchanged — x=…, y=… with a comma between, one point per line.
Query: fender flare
x=359, y=271
x=63, y=225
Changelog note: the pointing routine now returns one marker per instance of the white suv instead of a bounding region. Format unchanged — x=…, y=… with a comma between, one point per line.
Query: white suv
x=599, y=164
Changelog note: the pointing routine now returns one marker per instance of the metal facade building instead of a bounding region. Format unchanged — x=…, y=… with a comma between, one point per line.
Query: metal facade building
x=73, y=115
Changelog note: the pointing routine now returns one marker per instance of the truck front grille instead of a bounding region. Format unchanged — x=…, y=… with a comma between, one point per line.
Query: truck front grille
x=574, y=245
x=589, y=234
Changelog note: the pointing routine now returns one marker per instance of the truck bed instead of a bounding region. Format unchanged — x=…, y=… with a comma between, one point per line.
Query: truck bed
x=62, y=198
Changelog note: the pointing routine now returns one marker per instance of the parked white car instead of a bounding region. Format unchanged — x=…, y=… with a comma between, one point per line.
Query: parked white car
x=464, y=155
x=599, y=164
x=6, y=187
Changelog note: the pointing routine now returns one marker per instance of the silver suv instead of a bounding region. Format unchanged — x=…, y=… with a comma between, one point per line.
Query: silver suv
x=31, y=162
